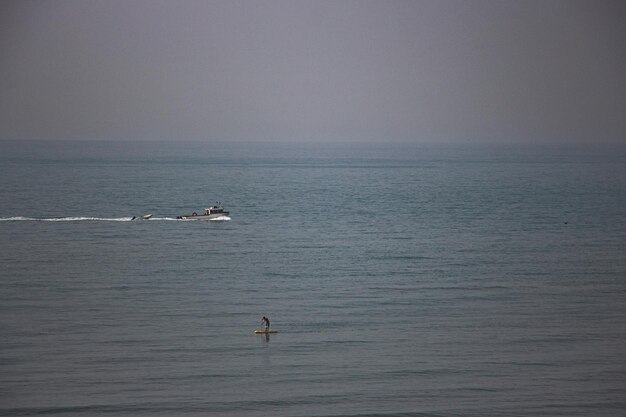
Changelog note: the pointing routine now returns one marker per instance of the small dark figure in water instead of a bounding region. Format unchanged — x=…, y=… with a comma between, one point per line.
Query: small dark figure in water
x=266, y=322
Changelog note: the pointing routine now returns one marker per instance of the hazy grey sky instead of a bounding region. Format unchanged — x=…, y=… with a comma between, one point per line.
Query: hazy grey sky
x=313, y=70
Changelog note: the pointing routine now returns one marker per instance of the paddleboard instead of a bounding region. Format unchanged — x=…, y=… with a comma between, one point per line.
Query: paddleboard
x=265, y=331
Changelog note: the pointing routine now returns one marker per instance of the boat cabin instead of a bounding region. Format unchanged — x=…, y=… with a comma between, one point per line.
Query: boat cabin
x=214, y=210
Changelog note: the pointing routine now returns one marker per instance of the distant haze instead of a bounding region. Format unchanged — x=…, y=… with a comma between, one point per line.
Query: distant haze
x=375, y=71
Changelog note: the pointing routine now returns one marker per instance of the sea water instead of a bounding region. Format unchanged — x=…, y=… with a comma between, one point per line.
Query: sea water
x=403, y=280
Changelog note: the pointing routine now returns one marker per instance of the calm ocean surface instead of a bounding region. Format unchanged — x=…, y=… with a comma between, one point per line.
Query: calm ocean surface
x=402, y=280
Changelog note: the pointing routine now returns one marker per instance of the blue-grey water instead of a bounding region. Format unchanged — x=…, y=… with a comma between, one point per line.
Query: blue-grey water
x=404, y=280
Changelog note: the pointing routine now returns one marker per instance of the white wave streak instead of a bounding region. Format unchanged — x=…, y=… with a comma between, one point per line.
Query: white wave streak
x=67, y=219
x=95, y=219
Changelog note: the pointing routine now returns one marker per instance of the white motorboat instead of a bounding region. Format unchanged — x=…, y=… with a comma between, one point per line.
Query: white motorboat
x=144, y=217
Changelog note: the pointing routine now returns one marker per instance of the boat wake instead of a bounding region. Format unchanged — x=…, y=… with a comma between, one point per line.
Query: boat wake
x=82, y=218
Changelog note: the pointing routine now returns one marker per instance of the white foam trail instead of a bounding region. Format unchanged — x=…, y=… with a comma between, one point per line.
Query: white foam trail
x=67, y=219
x=98, y=219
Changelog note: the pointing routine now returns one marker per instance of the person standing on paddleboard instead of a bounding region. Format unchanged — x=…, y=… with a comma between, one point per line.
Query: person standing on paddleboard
x=266, y=322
